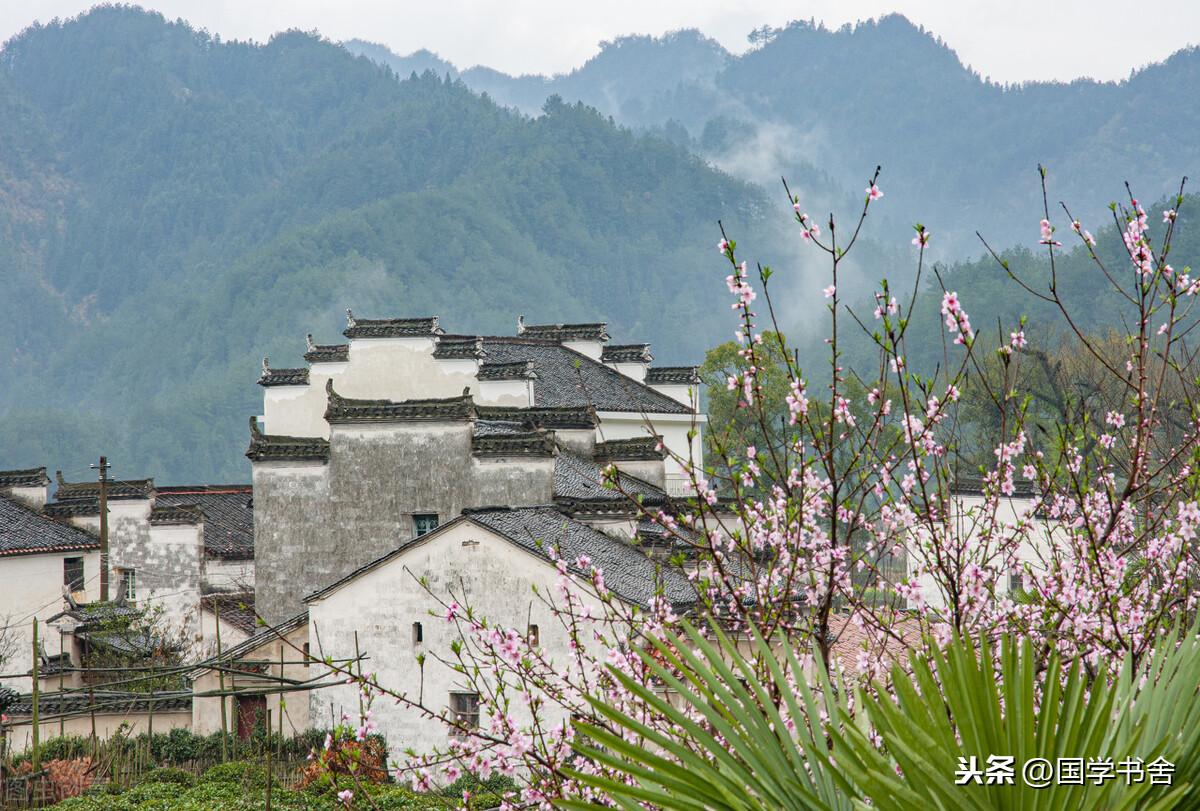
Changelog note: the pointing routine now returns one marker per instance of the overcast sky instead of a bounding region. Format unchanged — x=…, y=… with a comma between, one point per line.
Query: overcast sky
x=1008, y=40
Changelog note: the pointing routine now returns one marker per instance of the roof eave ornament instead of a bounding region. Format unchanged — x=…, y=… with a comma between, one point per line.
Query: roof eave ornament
x=520, y=324
x=350, y=322
x=309, y=342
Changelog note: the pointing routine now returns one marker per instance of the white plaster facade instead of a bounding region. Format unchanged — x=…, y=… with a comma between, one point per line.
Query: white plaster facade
x=461, y=561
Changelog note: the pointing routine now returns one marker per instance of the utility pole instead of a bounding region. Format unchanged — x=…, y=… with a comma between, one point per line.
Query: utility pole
x=35, y=727
x=103, y=468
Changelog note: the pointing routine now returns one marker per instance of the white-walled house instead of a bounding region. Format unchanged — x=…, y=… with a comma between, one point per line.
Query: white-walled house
x=969, y=515
x=41, y=559
x=489, y=559
x=397, y=431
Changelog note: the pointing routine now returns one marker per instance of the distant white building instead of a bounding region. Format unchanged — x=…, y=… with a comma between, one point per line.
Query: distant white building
x=969, y=522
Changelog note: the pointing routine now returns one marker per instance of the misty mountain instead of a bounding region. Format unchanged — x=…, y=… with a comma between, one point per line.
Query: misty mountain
x=174, y=207
x=824, y=107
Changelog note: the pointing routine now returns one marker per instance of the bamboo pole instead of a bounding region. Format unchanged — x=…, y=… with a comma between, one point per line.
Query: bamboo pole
x=33, y=757
x=221, y=683
x=270, y=778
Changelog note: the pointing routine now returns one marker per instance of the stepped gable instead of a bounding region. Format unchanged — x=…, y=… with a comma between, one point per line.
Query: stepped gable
x=276, y=448
x=28, y=477
x=562, y=417
x=390, y=327
x=513, y=370
x=348, y=410
x=458, y=347
x=627, y=353
x=176, y=515
x=24, y=531
x=628, y=450
x=563, y=332
x=522, y=443
x=567, y=378
x=673, y=376
x=228, y=511
x=90, y=490
x=326, y=353
x=282, y=377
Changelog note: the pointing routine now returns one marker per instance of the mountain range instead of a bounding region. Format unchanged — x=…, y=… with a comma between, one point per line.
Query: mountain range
x=174, y=207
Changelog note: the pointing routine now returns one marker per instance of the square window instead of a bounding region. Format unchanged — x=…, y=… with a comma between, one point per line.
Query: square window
x=73, y=574
x=533, y=637
x=424, y=523
x=465, y=708
x=1016, y=581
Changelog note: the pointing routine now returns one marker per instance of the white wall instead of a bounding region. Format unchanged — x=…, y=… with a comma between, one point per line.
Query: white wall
x=382, y=605
x=673, y=428
x=968, y=519
x=31, y=585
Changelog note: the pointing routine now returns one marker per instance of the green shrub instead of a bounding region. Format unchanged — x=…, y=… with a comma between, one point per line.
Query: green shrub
x=168, y=774
x=242, y=772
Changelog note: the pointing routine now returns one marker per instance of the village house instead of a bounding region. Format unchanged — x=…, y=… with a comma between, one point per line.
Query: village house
x=41, y=559
x=181, y=555
x=386, y=437
x=409, y=453
x=967, y=523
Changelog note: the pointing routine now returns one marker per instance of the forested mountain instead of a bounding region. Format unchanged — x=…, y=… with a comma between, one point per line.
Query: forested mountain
x=959, y=152
x=174, y=207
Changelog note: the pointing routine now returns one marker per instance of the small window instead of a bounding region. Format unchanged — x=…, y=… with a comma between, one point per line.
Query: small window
x=1016, y=581
x=307, y=657
x=533, y=637
x=424, y=523
x=73, y=574
x=128, y=587
x=418, y=634
x=465, y=709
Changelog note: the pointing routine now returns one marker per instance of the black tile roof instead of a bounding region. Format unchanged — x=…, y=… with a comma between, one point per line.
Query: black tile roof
x=175, y=514
x=525, y=443
x=513, y=370
x=673, y=375
x=623, y=450
x=273, y=447
x=973, y=485
x=30, y=477
x=458, y=346
x=24, y=531
x=282, y=377
x=104, y=702
x=228, y=511
x=628, y=572
x=264, y=634
x=90, y=616
x=237, y=609
x=389, y=327
x=326, y=353
x=568, y=378
x=563, y=332
x=564, y=417
x=581, y=480
x=347, y=410
x=117, y=489
x=498, y=427
x=627, y=353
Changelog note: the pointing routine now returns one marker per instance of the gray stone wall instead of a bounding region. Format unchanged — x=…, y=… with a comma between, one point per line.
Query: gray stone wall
x=317, y=523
